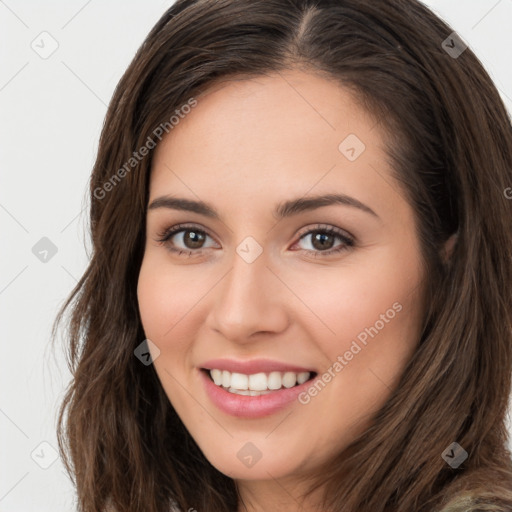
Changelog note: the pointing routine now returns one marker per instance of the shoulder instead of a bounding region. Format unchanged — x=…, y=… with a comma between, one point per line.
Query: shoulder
x=479, y=501
x=480, y=491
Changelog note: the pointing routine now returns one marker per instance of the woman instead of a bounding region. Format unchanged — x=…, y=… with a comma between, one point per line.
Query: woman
x=300, y=291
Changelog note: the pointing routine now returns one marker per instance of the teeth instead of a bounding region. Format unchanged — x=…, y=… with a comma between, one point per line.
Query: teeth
x=258, y=383
x=240, y=381
x=274, y=380
x=303, y=377
x=216, y=376
x=248, y=392
x=289, y=379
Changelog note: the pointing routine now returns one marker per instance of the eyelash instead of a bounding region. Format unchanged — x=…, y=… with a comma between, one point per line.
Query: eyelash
x=168, y=233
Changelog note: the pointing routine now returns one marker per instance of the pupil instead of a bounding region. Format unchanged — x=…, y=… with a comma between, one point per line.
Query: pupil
x=196, y=239
x=321, y=238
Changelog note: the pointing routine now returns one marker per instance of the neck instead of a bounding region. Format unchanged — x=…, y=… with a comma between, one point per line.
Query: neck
x=275, y=494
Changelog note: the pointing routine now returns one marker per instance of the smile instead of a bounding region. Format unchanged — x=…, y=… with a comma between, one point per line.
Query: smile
x=257, y=383
x=253, y=389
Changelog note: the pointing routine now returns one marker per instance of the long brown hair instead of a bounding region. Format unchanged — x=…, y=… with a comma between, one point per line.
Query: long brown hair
x=449, y=139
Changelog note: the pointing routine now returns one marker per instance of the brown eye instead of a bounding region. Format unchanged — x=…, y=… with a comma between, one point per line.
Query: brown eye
x=323, y=240
x=184, y=238
x=193, y=239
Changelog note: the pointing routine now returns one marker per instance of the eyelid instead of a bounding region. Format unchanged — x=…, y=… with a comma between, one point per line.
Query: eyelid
x=164, y=235
x=348, y=239
x=318, y=227
x=326, y=227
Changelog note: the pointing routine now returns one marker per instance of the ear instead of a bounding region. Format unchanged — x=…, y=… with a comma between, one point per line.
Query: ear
x=447, y=250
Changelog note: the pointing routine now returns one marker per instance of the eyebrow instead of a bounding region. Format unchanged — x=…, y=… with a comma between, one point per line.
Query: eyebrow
x=282, y=210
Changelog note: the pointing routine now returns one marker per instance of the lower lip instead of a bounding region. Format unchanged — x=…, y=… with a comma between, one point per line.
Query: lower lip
x=245, y=406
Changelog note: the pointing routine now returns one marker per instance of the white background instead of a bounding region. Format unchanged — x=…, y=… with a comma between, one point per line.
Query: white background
x=51, y=114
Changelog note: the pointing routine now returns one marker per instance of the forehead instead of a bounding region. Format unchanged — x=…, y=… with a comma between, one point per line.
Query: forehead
x=267, y=108
x=280, y=134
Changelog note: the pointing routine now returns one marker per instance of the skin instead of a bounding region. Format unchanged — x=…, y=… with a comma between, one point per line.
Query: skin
x=246, y=146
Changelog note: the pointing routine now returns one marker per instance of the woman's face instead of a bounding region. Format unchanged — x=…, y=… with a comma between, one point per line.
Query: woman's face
x=252, y=287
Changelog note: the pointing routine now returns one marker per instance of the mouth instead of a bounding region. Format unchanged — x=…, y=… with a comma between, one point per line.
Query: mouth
x=253, y=388
x=257, y=384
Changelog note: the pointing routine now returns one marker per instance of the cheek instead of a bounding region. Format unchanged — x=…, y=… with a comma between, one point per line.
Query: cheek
x=163, y=300
x=370, y=316
x=166, y=295
x=376, y=320
x=344, y=304
x=163, y=305
x=154, y=302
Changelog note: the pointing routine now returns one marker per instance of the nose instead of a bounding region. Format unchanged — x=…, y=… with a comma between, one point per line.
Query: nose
x=249, y=300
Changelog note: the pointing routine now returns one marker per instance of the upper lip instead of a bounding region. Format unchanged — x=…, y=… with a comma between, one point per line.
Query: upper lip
x=252, y=366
